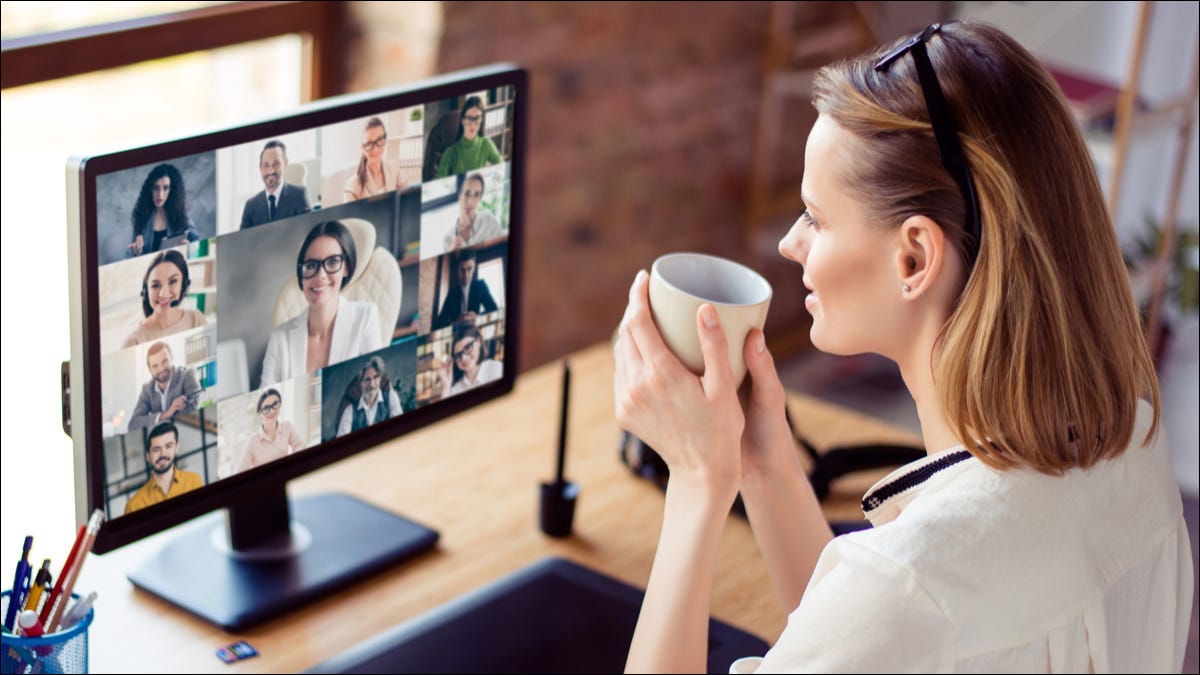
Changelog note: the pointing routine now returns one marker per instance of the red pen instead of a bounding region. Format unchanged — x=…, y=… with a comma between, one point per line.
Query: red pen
x=58, y=585
x=72, y=573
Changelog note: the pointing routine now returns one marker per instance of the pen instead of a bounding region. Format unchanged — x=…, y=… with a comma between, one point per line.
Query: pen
x=19, y=587
x=39, y=586
x=93, y=527
x=77, y=611
x=562, y=422
x=44, y=615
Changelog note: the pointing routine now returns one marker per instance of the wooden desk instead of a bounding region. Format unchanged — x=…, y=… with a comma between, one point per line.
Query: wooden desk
x=475, y=479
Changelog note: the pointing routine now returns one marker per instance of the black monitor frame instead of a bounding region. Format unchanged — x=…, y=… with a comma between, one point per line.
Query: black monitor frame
x=81, y=377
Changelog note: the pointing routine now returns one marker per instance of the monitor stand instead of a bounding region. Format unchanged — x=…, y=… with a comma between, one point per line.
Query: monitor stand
x=261, y=562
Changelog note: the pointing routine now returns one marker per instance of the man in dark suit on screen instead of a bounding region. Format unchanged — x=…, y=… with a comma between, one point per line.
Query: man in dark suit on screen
x=468, y=298
x=280, y=199
x=172, y=390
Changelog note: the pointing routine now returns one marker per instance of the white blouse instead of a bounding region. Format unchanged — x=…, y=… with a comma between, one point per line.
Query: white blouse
x=969, y=569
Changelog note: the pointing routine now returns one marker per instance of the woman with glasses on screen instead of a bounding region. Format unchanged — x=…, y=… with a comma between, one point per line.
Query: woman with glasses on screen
x=375, y=175
x=470, y=368
x=472, y=150
x=164, y=287
x=955, y=225
x=332, y=328
x=160, y=214
x=274, y=438
x=472, y=226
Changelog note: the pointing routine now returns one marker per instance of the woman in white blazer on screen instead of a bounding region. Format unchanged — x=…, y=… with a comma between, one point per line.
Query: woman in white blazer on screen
x=332, y=328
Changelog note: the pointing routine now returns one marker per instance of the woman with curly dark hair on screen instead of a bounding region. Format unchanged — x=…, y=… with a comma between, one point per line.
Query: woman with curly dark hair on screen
x=160, y=212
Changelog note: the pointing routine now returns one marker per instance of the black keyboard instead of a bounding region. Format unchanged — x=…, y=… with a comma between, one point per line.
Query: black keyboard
x=554, y=616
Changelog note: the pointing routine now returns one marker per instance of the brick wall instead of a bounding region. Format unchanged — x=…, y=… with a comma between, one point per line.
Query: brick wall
x=639, y=143
x=640, y=140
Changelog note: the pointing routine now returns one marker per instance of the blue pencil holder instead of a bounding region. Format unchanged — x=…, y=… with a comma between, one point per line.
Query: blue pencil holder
x=62, y=652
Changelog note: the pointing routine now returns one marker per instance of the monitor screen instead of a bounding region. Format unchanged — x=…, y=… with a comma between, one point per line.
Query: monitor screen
x=253, y=303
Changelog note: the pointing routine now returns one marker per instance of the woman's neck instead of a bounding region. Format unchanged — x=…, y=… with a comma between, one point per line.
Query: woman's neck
x=269, y=428
x=471, y=373
x=916, y=367
x=320, y=318
x=166, y=317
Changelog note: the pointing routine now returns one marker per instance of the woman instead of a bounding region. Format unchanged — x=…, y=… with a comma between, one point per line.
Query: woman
x=273, y=439
x=472, y=225
x=472, y=150
x=470, y=368
x=1044, y=530
x=160, y=212
x=375, y=175
x=164, y=286
x=332, y=328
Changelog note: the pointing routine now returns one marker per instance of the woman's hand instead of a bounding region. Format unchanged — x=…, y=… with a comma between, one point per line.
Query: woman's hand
x=137, y=245
x=444, y=374
x=767, y=434
x=695, y=423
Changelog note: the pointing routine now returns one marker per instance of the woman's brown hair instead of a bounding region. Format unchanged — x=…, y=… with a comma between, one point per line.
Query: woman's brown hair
x=1043, y=361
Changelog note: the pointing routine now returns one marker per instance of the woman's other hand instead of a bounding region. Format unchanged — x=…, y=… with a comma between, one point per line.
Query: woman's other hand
x=695, y=423
x=767, y=433
x=137, y=245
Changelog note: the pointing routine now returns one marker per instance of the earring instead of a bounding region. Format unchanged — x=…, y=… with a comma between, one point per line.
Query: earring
x=906, y=287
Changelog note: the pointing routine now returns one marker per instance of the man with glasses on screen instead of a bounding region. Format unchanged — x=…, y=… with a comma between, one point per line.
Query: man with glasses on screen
x=279, y=199
x=171, y=390
x=467, y=299
x=166, y=480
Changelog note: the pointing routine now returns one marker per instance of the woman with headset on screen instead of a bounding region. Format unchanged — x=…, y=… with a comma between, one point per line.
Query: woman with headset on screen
x=955, y=225
x=274, y=438
x=164, y=287
x=160, y=213
x=472, y=150
x=332, y=328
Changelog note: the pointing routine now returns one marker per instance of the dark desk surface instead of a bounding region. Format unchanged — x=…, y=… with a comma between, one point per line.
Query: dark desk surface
x=475, y=479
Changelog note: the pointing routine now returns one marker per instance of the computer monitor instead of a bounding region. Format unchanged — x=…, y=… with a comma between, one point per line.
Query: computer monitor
x=254, y=303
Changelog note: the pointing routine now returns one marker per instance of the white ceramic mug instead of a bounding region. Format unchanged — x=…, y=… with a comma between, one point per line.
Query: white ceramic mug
x=681, y=282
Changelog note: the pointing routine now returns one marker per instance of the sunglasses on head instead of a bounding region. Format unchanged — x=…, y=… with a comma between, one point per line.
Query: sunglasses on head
x=944, y=131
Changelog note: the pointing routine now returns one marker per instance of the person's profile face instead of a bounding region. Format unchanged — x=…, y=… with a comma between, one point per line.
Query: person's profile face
x=472, y=121
x=371, y=380
x=271, y=165
x=164, y=286
x=373, y=140
x=161, y=454
x=849, y=262
x=471, y=195
x=324, y=252
x=269, y=410
x=466, y=353
x=161, y=191
x=466, y=272
x=160, y=365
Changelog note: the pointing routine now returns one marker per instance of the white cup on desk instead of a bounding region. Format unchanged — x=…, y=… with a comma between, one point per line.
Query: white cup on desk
x=681, y=282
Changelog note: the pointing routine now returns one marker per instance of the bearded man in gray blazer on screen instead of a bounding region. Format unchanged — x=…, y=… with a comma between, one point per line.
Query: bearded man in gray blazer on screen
x=280, y=199
x=172, y=390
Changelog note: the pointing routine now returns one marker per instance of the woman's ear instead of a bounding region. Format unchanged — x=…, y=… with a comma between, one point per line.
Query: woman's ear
x=920, y=256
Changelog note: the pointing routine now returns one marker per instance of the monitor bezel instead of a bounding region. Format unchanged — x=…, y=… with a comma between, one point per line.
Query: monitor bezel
x=82, y=391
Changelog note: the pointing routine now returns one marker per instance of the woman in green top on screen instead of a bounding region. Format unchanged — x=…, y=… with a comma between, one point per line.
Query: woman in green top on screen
x=472, y=150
